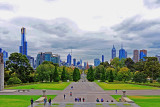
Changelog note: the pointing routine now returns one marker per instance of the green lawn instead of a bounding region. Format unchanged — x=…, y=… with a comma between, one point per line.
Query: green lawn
x=143, y=101
x=106, y=86
x=19, y=100
x=49, y=86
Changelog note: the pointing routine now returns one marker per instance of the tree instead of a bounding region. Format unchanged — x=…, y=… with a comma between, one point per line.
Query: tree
x=140, y=77
x=76, y=75
x=105, y=64
x=90, y=74
x=130, y=64
x=111, y=77
x=56, y=75
x=103, y=75
x=124, y=74
x=108, y=72
x=98, y=71
x=19, y=64
x=63, y=76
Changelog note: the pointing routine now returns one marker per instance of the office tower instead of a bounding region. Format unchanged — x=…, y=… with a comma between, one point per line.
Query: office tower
x=69, y=59
x=55, y=58
x=125, y=54
x=113, y=52
x=0, y=50
x=31, y=61
x=97, y=62
x=81, y=61
x=5, y=57
x=40, y=58
x=78, y=63
x=48, y=56
x=143, y=53
x=122, y=53
x=23, y=47
x=74, y=62
x=135, y=56
x=85, y=65
x=102, y=58
x=158, y=57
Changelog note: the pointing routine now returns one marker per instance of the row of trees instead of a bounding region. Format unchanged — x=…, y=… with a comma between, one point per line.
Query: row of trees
x=125, y=70
x=18, y=70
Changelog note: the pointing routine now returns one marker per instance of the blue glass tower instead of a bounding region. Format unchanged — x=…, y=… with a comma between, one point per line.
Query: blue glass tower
x=81, y=61
x=97, y=62
x=69, y=59
x=122, y=53
x=85, y=65
x=23, y=47
x=102, y=58
x=113, y=52
x=74, y=62
x=143, y=53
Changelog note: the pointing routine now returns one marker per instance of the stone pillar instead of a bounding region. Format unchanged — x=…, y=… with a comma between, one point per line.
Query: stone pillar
x=124, y=93
x=1, y=72
x=44, y=93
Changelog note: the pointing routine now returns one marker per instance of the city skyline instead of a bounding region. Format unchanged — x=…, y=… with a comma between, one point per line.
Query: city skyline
x=89, y=32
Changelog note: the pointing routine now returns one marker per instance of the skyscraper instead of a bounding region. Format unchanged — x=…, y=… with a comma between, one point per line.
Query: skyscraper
x=102, y=58
x=143, y=53
x=135, y=56
x=113, y=52
x=23, y=47
x=5, y=57
x=122, y=53
x=125, y=54
x=81, y=61
x=69, y=59
x=74, y=62
x=97, y=62
x=85, y=65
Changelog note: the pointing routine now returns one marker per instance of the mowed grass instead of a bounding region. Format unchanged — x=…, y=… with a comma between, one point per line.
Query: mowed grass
x=19, y=100
x=143, y=101
x=106, y=86
x=49, y=86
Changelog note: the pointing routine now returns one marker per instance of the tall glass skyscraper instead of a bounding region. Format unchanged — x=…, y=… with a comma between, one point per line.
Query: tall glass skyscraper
x=143, y=53
x=23, y=47
x=113, y=52
x=97, y=62
x=102, y=58
x=69, y=59
x=74, y=62
x=122, y=53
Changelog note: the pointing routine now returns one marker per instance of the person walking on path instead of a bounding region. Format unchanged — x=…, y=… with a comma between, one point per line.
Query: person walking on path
x=49, y=101
x=80, y=99
x=97, y=100
x=102, y=100
x=83, y=99
x=70, y=93
x=45, y=101
x=31, y=102
x=64, y=96
x=75, y=99
x=116, y=91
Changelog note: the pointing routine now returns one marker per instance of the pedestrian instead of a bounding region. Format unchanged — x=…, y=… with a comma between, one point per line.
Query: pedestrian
x=83, y=99
x=49, y=101
x=116, y=91
x=102, y=100
x=45, y=100
x=31, y=102
x=77, y=99
x=64, y=96
x=107, y=101
x=70, y=93
x=97, y=100
x=80, y=99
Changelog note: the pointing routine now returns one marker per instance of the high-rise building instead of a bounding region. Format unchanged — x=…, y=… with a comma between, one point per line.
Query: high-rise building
x=40, y=58
x=23, y=47
x=5, y=57
x=55, y=58
x=78, y=63
x=126, y=54
x=31, y=61
x=122, y=53
x=135, y=56
x=81, y=61
x=74, y=62
x=143, y=53
x=97, y=62
x=69, y=59
x=158, y=57
x=48, y=56
x=113, y=52
x=85, y=65
x=102, y=58
x=0, y=50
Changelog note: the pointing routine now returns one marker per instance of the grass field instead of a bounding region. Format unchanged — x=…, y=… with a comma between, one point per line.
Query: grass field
x=49, y=86
x=19, y=100
x=106, y=86
x=143, y=101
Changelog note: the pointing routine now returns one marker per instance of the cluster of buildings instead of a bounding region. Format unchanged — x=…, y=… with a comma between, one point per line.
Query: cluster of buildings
x=55, y=58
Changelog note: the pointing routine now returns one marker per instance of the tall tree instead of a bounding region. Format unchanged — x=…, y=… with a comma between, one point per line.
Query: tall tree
x=76, y=75
x=90, y=74
x=63, y=75
x=111, y=77
x=130, y=64
x=103, y=75
x=56, y=75
x=124, y=74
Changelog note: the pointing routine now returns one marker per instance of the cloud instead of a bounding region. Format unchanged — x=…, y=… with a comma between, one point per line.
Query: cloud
x=5, y=6
x=152, y=3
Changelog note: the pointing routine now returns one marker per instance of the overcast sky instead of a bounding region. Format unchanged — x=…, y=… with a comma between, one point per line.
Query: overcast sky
x=89, y=27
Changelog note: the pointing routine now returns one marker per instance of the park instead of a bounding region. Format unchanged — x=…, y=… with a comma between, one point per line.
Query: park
x=101, y=86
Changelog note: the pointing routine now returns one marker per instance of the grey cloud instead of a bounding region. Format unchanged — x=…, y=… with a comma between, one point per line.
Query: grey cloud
x=6, y=6
x=152, y=3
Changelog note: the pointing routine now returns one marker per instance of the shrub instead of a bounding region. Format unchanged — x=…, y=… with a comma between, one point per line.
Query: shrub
x=14, y=80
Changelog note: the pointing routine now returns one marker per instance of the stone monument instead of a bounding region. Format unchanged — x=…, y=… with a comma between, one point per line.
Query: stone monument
x=1, y=72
